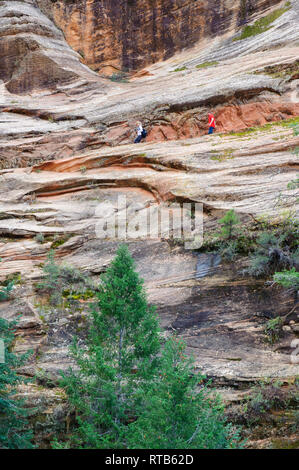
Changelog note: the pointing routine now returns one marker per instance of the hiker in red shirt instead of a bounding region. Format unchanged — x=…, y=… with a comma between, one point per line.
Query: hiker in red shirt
x=211, y=123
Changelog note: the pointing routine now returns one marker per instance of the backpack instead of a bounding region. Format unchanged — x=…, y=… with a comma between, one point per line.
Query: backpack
x=144, y=133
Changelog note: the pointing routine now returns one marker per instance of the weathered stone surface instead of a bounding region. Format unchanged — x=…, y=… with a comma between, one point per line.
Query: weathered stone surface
x=36, y=127
x=70, y=107
x=117, y=35
x=33, y=52
x=221, y=316
x=246, y=173
x=66, y=148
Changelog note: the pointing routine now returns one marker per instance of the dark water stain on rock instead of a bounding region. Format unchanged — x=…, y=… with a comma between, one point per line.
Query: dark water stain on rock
x=135, y=33
x=206, y=264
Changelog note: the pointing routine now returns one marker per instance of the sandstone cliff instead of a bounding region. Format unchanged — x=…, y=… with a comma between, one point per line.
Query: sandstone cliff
x=33, y=52
x=113, y=35
x=66, y=146
x=54, y=105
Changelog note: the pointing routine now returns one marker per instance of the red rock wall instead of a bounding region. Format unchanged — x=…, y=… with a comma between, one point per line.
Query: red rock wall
x=113, y=35
x=228, y=118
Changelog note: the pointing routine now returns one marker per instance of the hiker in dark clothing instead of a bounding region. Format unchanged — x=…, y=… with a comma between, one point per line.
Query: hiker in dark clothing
x=212, y=123
x=141, y=133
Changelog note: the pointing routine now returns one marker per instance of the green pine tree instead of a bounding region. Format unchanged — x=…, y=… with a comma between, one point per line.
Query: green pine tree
x=5, y=291
x=121, y=353
x=178, y=411
x=228, y=236
x=13, y=415
x=228, y=223
x=125, y=392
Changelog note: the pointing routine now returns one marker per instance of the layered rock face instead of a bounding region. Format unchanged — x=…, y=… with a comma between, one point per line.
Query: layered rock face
x=52, y=105
x=218, y=312
x=33, y=52
x=113, y=35
x=66, y=148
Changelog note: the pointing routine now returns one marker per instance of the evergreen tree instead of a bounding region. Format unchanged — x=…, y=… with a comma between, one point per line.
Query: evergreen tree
x=13, y=422
x=228, y=243
x=124, y=391
x=6, y=290
x=228, y=223
x=121, y=352
x=178, y=411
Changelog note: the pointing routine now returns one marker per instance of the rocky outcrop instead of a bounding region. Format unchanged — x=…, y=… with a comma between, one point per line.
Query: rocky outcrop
x=33, y=52
x=69, y=108
x=66, y=156
x=125, y=35
x=244, y=172
x=221, y=317
x=87, y=115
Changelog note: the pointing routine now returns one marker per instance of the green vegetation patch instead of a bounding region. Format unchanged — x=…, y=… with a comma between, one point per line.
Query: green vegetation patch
x=226, y=155
x=207, y=64
x=267, y=399
x=64, y=285
x=60, y=240
x=5, y=291
x=119, y=77
x=14, y=433
x=272, y=246
x=273, y=329
x=293, y=123
x=281, y=70
x=285, y=444
x=180, y=69
x=263, y=24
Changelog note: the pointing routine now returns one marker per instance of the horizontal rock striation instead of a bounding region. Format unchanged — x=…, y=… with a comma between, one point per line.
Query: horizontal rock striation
x=125, y=35
x=246, y=172
x=33, y=52
x=66, y=157
x=52, y=106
